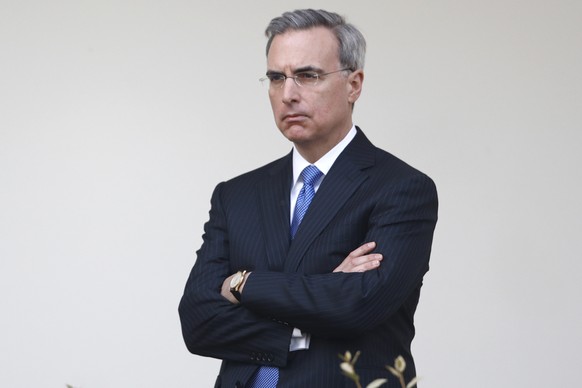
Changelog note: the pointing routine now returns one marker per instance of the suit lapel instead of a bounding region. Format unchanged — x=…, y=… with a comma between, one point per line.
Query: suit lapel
x=342, y=180
x=274, y=205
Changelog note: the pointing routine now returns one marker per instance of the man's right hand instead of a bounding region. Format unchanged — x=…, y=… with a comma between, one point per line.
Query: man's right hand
x=360, y=259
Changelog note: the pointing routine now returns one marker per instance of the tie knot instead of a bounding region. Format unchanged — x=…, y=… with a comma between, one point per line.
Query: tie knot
x=310, y=175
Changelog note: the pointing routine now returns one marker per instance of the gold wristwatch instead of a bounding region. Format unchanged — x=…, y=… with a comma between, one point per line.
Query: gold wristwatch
x=235, y=283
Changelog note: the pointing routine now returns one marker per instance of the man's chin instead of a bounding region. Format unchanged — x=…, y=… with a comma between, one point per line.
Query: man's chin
x=296, y=133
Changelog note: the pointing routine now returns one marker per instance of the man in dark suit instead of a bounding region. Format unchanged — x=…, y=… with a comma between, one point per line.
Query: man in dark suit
x=321, y=251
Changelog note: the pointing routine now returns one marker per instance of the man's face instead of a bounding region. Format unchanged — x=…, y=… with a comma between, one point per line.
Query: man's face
x=315, y=117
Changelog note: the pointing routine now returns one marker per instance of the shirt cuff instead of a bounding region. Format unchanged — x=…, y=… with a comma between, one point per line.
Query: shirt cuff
x=299, y=340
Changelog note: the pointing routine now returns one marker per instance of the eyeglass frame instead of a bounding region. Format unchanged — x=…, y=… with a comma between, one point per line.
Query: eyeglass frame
x=297, y=75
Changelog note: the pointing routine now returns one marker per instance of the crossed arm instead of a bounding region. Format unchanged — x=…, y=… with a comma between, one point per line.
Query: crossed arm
x=359, y=260
x=354, y=299
x=350, y=300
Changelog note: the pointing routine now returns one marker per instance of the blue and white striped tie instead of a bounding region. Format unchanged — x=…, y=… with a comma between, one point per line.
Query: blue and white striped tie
x=265, y=377
x=310, y=175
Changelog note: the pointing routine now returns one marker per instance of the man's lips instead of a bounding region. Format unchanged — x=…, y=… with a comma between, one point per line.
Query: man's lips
x=294, y=117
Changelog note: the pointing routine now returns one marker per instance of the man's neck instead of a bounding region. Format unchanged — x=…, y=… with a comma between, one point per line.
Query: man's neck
x=312, y=153
x=325, y=162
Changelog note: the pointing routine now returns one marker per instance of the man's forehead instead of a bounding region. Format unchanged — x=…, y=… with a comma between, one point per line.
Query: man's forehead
x=293, y=50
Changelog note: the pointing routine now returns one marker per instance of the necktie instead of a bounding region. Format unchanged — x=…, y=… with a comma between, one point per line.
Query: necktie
x=310, y=175
x=268, y=376
x=265, y=377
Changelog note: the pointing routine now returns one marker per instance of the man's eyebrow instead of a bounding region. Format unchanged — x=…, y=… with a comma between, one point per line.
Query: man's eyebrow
x=269, y=72
x=307, y=68
x=298, y=70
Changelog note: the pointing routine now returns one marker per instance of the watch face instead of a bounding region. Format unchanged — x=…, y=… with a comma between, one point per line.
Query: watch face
x=235, y=280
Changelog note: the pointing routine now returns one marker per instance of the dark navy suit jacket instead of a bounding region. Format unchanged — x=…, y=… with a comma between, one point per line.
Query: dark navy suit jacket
x=368, y=195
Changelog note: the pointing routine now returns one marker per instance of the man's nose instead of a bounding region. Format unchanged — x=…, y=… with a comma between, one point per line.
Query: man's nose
x=290, y=92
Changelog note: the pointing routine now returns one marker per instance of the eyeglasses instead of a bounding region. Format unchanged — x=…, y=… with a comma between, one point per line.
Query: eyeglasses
x=304, y=78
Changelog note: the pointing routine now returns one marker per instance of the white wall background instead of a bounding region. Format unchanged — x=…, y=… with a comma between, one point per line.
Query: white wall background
x=117, y=119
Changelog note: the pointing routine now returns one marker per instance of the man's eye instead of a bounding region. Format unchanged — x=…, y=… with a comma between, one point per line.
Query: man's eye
x=307, y=76
x=276, y=77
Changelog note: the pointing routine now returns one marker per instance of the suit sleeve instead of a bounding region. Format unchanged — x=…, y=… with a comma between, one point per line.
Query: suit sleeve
x=211, y=325
x=344, y=304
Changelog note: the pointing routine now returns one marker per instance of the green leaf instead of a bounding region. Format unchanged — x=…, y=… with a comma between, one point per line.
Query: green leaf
x=412, y=383
x=400, y=364
x=393, y=371
x=347, y=368
x=377, y=383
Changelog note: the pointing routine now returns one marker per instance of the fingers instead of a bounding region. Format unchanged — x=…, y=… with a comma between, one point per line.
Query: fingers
x=364, y=263
x=361, y=259
x=363, y=249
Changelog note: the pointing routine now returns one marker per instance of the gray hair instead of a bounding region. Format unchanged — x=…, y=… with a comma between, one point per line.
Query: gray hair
x=352, y=45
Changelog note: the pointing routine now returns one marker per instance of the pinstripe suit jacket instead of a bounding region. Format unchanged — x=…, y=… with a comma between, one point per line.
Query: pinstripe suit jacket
x=368, y=195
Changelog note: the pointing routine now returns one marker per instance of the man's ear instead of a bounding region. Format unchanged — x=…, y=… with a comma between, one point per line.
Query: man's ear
x=355, y=81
